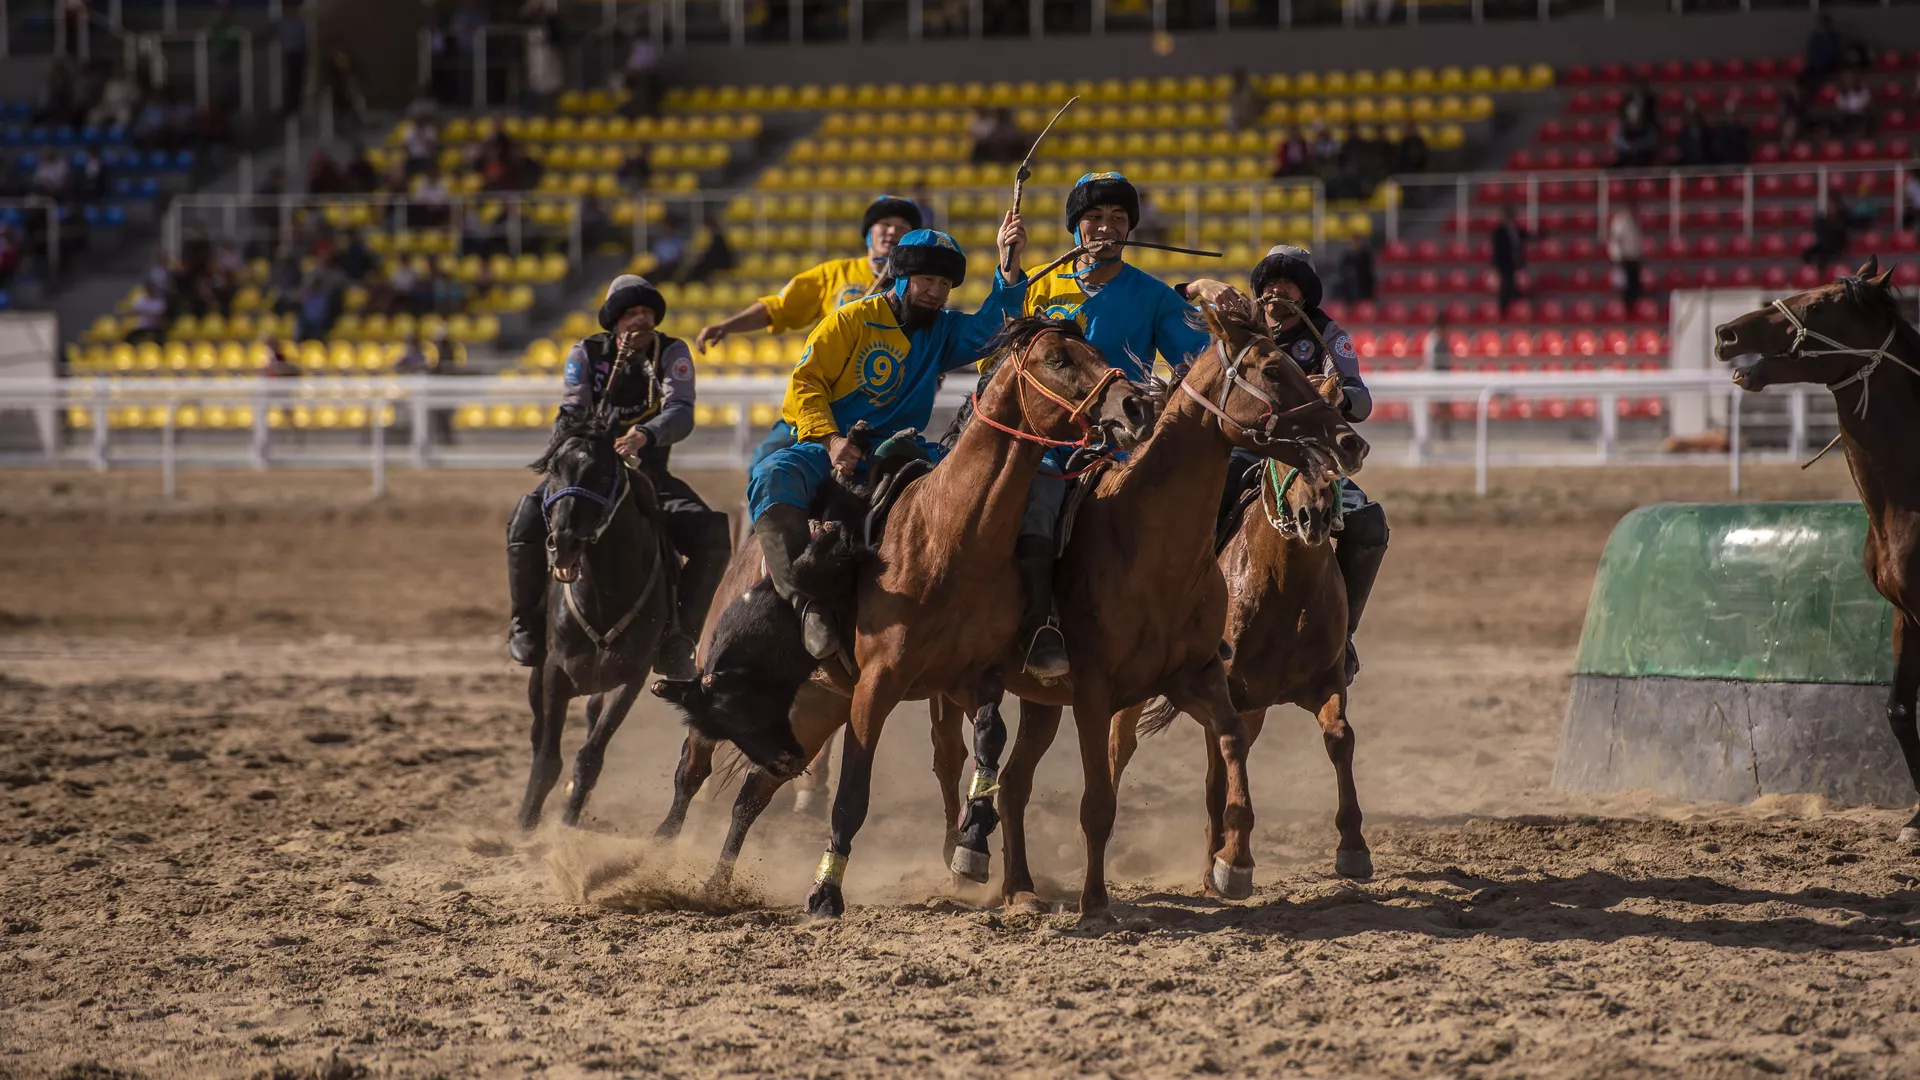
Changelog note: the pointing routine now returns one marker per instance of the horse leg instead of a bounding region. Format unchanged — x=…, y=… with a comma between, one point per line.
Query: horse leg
x=873, y=699
x=810, y=788
x=1122, y=740
x=816, y=715
x=949, y=757
x=696, y=764
x=1038, y=725
x=972, y=858
x=1900, y=705
x=1351, y=859
x=1091, y=716
x=552, y=693
x=1206, y=697
x=593, y=752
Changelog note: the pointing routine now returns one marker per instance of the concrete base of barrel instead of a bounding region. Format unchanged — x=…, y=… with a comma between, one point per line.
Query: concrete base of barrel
x=1731, y=741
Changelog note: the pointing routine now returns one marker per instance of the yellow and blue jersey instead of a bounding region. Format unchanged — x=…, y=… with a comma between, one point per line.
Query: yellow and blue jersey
x=1128, y=319
x=859, y=365
x=819, y=291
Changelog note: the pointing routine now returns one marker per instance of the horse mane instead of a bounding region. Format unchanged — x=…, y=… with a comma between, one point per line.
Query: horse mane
x=1883, y=300
x=590, y=425
x=1014, y=335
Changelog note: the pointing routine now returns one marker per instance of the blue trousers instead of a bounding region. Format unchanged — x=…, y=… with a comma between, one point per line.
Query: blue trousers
x=792, y=475
x=779, y=438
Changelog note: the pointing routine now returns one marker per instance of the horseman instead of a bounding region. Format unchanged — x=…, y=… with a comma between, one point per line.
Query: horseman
x=1129, y=315
x=878, y=359
x=651, y=406
x=815, y=293
x=1286, y=287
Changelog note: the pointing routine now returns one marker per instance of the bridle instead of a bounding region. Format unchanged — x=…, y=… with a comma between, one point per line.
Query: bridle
x=608, y=503
x=1076, y=414
x=1269, y=421
x=1798, y=351
x=1279, y=514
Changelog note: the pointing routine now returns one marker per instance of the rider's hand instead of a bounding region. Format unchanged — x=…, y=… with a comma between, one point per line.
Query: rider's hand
x=843, y=454
x=1329, y=389
x=708, y=335
x=1209, y=290
x=1013, y=240
x=630, y=444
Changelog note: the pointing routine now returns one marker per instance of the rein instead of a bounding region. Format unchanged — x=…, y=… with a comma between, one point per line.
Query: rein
x=608, y=503
x=1798, y=350
x=1075, y=413
x=604, y=642
x=1269, y=421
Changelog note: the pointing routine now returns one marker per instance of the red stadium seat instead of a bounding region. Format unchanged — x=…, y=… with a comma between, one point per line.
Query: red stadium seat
x=1585, y=311
x=1487, y=343
x=1906, y=274
x=1646, y=309
x=1740, y=246
x=1550, y=311
x=1459, y=313
x=1365, y=343
x=1733, y=70
x=1397, y=312
x=1486, y=312
x=1775, y=278
x=1805, y=277
x=1519, y=343
x=1459, y=281
x=1395, y=343
x=1426, y=312
x=1647, y=343
x=1366, y=311
x=1765, y=67
x=1520, y=311
x=1614, y=310
x=1614, y=340
x=1577, y=75
x=1459, y=344
x=1585, y=342
x=1336, y=310
x=1742, y=276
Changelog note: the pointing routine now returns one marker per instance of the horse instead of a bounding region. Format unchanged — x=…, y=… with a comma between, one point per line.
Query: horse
x=1142, y=600
x=935, y=608
x=608, y=604
x=1869, y=357
x=1287, y=629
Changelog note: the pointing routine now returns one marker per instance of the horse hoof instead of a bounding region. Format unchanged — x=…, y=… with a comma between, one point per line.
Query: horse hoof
x=826, y=902
x=1910, y=835
x=1098, y=916
x=1230, y=881
x=810, y=802
x=970, y=864
x=1353, y=864
x=1027, y=903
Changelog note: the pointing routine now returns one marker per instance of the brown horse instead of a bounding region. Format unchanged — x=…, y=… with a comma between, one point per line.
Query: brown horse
x=935, y=610
x=1287, y=627
x=1142, y=601
x=1852, y=337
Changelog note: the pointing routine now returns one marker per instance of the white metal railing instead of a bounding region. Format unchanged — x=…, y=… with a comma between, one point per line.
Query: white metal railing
x=243, y=218
x=389, y=400
x=1457, y=212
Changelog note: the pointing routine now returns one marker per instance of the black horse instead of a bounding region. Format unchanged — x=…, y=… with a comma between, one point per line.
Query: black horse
x=608, y=606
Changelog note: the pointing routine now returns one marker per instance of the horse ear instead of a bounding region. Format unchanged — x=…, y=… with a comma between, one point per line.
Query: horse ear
x=1870, y=268
x=1885, y=278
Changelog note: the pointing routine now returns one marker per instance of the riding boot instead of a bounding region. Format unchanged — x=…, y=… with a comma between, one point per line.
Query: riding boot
x=1040, y=637
x=783, y=534
x=1359, y=565
x=527, y=584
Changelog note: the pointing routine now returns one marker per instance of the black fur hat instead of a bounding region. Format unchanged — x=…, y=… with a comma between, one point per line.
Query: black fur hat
x=887, y=206
x=1293, y=264
x=627, y=292
x=926, y=251
x=1101, y=189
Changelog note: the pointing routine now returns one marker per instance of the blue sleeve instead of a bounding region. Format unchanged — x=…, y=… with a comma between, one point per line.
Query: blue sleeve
x=1177, y=340
x=967, y=336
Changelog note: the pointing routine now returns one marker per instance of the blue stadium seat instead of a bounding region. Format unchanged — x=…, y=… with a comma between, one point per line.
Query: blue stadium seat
x=157, y=160
x=5, y=300
x=14, y=135
x=122, y=188
x=184, y=160
x=28, y=162
x=114, y=215
x=64, y=135
x=148, y=188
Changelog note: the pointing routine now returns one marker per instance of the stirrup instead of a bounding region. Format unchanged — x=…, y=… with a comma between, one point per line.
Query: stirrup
x=1055, y=669
x=817, y=632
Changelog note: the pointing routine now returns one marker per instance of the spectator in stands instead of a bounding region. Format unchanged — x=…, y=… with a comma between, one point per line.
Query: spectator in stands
x=1727, y=141
x=1290, y=154
x=1854, y=104
x=642, y=77
x=413, y=359
x=431, y=202
x=1625, y=248
x=1862, y=208
x=1824, y=54
x=90, y=179
x=359, y=177
x=1635, y=138
x=10, y=252
x=149, y=315
x=223, y=35
x=408, y=290
x=60, y=101
x=151, y=124
x=277, y=365
x=1410, y=154
x=1381, y=11
x=341, y=79
x=1829, y=236
x=1434, y=355
x=159, y=273
x=669, y=249
x=996, y=137
x=356, y=260
x=422, y=145
x=1641, y=103
x=290, y=30
x=1509, y=257
x=1913, y=197
x=1244, y=104
x=50, y=176
x=923, y=198
x=1153, y=224
x=449, y=293
x=319, y=302
x=119, y=97
x=1324, y=152
x=1353, y=278
x=1695, y=135
x=323, y=176
x=283, y=278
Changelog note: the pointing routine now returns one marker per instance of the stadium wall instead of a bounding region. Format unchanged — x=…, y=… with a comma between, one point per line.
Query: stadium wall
x=1561, y=42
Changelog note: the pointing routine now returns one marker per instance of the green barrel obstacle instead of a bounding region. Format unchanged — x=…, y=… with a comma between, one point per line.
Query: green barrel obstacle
x=1732, y=651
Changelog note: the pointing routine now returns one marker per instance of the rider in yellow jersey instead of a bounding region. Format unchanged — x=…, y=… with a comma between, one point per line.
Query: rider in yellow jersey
x=817, y=292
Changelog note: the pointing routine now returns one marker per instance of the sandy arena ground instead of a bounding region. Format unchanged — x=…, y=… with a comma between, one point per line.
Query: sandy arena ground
x=260, y=749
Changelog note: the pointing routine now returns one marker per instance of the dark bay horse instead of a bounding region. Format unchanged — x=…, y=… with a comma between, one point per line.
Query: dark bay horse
x=607, y=605
x=1852, y=337
x=936, y=606
x=1142, y=600
x=1287, y=627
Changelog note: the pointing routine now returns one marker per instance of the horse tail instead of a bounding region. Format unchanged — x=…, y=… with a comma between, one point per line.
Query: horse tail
x=1158, y=717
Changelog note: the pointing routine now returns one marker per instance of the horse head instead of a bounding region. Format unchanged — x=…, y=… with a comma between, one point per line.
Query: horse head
x=1825, y=335
x=586, y=481
x=1263, y=402
x=1065, y=386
